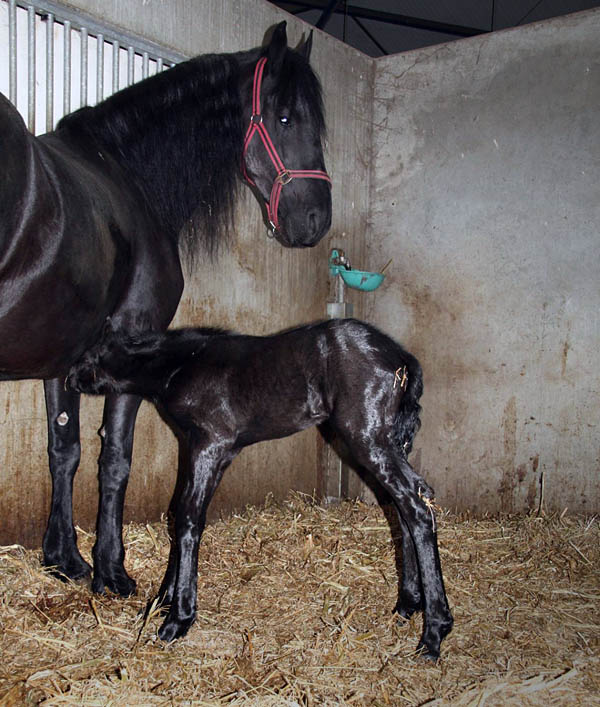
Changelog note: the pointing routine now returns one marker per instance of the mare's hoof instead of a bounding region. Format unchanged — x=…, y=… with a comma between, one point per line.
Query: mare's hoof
x=119, y=583
x=172, y=629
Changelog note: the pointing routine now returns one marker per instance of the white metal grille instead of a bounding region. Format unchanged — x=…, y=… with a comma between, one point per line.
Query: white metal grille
x=53, y=60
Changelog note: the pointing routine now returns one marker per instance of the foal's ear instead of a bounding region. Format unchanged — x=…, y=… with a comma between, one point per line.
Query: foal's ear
x=277, y=47
x=306, y=47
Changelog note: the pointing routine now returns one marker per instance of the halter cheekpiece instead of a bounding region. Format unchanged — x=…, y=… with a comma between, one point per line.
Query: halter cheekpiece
x=284, y=176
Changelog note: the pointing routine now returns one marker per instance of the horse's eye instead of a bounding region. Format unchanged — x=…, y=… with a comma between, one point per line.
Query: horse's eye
x=284, y=120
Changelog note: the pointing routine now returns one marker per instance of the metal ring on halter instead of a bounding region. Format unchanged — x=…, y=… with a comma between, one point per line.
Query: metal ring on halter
x=284, y=177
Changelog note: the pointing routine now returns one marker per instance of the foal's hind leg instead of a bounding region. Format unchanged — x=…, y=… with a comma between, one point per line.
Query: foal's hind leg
x=410, y=591
x=115, y=462
x=410, y=597
x=407, y=489
x=60, y=540
x=165, y=593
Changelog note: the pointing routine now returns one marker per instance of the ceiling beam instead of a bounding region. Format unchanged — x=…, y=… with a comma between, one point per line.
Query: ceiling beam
x=364, y=13
x=326, y=14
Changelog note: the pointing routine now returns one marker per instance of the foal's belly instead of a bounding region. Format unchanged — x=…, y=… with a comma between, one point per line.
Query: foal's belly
x=266, y=426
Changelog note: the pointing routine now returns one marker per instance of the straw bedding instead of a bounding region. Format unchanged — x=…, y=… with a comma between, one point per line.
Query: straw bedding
x=294, y=609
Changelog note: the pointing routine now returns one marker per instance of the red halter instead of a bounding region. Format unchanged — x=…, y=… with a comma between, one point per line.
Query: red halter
x=284, y=176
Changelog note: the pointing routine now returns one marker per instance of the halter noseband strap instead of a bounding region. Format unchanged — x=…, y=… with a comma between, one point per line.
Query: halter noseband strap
x=284, y=176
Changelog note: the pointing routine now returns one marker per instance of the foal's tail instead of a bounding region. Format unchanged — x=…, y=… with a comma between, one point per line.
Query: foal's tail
x=407, y=420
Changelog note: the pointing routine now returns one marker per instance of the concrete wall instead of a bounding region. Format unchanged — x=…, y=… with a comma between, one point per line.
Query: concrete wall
x=485, y=192
x=475, y=166
x=256, y=287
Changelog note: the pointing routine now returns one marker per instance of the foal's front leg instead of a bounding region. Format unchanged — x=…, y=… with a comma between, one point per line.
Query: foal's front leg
x=179, y=586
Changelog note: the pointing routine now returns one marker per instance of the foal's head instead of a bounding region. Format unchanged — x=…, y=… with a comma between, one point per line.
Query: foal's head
x=104, y=368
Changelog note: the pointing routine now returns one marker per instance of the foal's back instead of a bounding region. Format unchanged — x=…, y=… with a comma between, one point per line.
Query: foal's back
x=272, y=386
x=260, y=387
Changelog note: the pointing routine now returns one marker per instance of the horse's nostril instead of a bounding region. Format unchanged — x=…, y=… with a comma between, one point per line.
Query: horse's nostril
x=312, y=225
x=317, y=225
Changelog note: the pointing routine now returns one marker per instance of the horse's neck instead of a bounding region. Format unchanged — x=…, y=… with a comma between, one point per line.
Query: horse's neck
x=179, y=136
x=162, y=352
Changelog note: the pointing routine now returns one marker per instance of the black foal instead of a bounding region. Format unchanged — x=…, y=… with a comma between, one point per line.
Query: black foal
x=225, y=391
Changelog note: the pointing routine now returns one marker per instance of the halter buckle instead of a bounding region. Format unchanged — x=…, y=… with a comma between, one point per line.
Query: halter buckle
x=284, y=177
x=256, y=118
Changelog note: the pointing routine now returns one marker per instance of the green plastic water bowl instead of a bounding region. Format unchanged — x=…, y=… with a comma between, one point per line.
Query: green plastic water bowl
x=362, y=280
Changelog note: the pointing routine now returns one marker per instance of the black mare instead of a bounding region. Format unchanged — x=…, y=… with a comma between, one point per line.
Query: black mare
x=224, y=391
x=92, y=220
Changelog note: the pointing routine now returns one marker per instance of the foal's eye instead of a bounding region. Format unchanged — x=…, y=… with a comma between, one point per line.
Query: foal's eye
x=284, y=120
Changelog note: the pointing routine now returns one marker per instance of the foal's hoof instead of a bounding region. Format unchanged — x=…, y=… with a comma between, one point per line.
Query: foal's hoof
x=173, y=628
x=119, y=583
x=406, y=607
x=76, y=570
x=428, y=653
x=431, y=640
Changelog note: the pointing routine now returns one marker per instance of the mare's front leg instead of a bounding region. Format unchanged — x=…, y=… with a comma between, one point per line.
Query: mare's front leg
x=114, y=465
x=208, y=461
x=64, y=448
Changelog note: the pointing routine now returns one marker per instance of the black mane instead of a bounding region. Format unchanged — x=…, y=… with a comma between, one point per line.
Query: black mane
x=178, y=135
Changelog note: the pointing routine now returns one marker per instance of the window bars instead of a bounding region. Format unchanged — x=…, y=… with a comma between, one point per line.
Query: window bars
x=69, y=59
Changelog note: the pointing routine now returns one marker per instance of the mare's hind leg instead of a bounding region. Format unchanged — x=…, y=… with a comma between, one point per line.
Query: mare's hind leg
x=115, y=461
x=60, y=540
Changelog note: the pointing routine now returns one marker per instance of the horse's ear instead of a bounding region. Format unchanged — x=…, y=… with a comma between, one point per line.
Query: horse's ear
x=277, y=47
x=306, y=48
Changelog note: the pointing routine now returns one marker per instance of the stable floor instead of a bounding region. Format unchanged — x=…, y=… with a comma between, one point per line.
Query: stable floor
x=295, y=609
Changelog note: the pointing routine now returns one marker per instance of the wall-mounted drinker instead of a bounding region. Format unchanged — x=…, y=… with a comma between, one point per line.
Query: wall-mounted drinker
x=340, y=268
x=357, y=279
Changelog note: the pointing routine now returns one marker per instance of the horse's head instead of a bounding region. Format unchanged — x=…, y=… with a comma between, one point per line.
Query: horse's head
x=283, y=154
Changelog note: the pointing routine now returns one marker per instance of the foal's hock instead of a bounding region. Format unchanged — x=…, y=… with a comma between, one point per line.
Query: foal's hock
x=225, y=391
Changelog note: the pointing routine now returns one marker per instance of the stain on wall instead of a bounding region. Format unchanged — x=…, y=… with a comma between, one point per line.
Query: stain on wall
x=484, y=191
